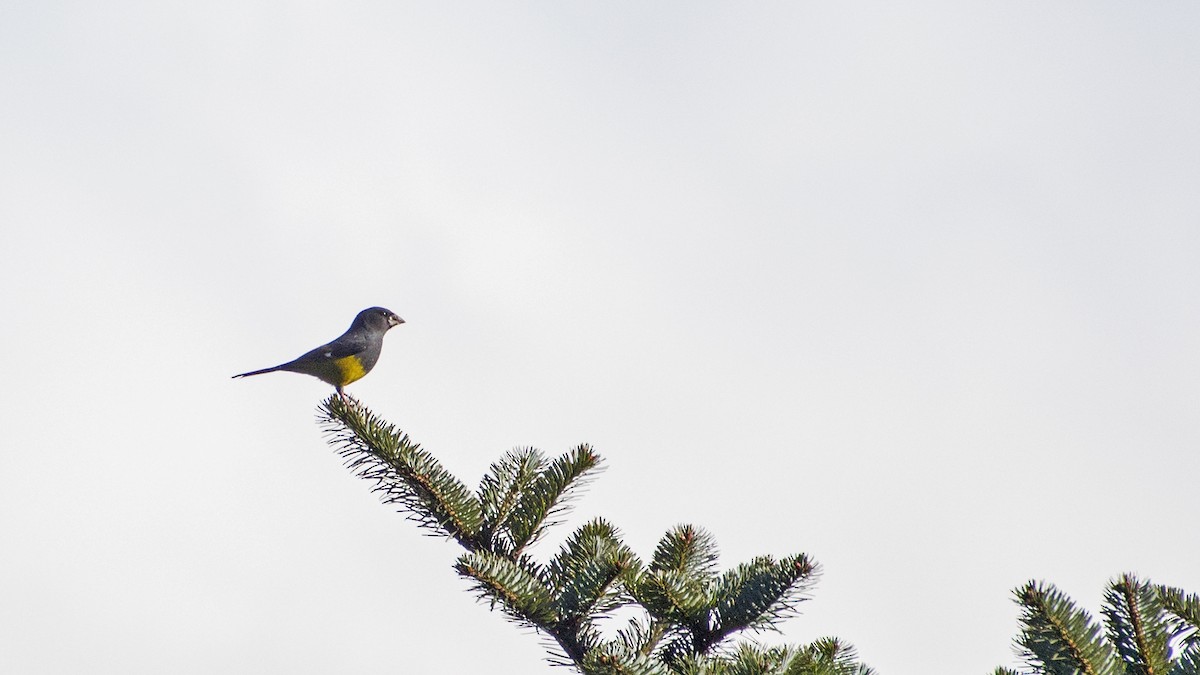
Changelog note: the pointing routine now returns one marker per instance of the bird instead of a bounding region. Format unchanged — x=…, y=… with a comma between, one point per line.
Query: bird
x=349, y=357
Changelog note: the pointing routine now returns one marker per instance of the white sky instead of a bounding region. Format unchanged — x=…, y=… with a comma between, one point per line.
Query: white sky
x=910, y=289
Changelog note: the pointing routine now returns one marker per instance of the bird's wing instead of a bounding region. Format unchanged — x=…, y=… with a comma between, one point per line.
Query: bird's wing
x=338, y=349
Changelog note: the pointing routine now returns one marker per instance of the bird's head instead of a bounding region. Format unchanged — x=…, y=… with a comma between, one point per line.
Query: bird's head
x=378, y=318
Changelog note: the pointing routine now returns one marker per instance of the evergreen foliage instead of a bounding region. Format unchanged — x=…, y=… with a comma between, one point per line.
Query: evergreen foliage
x=1148, y=630
x=688, y=610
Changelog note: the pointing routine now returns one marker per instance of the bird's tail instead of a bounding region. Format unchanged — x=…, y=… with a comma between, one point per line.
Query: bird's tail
x=258, y=372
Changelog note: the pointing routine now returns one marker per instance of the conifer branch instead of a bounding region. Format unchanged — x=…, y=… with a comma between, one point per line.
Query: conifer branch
x=760, y=593
x=1188, y=662
x=550, y=495
x=516, y=585
x=1151, y=631
x=501, y=492
x=1185, y=611
x=602, y=662
x=686, y=549
x=586, y=570
x=673, y=597
x=689, y=609
x=654, y=634
x=1137, y=626
x=1060, y=636
x=826, y=656
x=403, y=473
x=679, y=590
x=675, y=588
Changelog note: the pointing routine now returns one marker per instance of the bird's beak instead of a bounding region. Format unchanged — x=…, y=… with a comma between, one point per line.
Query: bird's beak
x=394, y=320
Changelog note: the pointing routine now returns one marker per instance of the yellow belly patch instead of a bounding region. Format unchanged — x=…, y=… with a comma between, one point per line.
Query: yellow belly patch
x=350, y=368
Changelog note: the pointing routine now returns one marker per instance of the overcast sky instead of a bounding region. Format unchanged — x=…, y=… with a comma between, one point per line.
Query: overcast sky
x=911, y=289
